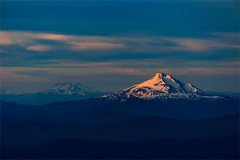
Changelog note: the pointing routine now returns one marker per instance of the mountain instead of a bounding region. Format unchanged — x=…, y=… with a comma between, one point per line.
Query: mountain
x=67, y=88
x=134, y=129
x=59, y=92
x=144, y=123
x=2, y=91
x=161, y=85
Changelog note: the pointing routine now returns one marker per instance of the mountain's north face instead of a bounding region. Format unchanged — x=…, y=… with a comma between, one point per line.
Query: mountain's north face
x=161, y=85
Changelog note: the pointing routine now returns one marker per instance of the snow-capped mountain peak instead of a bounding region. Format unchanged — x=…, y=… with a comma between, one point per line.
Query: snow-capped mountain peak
x=67, y=88
x=161, y=85
x=165, y=83
x=158, y=82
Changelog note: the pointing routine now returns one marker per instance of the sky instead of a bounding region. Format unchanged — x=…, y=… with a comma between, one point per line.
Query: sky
x=111, y=45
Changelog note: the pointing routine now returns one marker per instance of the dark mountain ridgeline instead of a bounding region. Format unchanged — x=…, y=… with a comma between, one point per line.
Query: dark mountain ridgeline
x=94, y=128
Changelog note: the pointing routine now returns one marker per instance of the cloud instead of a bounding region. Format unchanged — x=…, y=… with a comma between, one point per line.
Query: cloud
x=33, y=41
x=202, y=45
x=37, y=74
x=136, y=44
x=54, y=37
x=5, y=41
x=147, y=66
x=130, y=71
x=211, y=71
x=16, y=38
x=39, y=48
x=95, y=46
x=17, y=75
x=134, y=67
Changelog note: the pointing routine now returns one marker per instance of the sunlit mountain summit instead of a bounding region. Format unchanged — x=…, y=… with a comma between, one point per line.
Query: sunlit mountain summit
x=161, y=85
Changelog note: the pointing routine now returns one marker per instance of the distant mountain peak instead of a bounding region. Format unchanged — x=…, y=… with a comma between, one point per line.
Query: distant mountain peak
x=160, y=85
x=70, y=88
x=3, y=91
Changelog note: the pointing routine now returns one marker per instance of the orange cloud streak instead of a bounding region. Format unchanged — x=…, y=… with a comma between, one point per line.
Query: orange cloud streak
x=95, y=46
x=54, y=37
x=39, y=48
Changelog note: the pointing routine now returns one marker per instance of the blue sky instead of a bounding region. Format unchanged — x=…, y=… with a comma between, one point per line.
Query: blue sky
x=110, y=45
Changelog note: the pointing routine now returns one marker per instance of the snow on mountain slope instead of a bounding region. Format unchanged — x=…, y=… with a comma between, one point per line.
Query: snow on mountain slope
x=164, y=83
x=161, y=85
x=67, y=88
